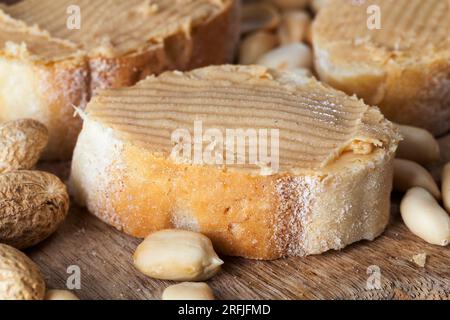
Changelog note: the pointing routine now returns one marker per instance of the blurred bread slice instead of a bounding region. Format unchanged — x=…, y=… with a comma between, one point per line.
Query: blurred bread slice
x=331, y=188
x=404, y=68
x=47, y=68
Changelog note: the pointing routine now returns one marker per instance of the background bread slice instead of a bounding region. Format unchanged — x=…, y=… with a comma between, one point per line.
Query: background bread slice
x=404, y=68
x=45, y=76
x=332, y=189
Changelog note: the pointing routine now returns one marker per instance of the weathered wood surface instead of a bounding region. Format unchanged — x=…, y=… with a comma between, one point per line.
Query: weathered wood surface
x=104, y=256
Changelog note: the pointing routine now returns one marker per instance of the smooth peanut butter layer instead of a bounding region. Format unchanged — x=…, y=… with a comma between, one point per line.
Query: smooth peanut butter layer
x=109, y=27
x=393, y=54
x=332, y=186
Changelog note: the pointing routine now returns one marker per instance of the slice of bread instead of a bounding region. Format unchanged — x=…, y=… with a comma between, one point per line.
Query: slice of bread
x=47, y=68
x=404, y=67
x=328, y=187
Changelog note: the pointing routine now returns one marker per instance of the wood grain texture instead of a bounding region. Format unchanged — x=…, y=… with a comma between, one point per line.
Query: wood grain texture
x=105, y=258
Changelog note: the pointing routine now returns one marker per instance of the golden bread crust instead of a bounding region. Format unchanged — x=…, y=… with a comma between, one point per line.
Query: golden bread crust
x=258, y=217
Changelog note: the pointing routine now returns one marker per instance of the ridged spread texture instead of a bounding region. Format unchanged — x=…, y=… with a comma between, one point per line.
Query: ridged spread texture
x=107, y=27
x=406, y=25
x=317, y=123
x=393, y=54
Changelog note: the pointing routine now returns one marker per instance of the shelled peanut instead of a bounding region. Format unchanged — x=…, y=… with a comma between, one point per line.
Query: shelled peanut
x=420, y=209
x=188, y=291
x=177, y=255
x=60, y=295
x=446, y=186
x=255, y=45
x=408, y=174
x=418, y=145
x=294, y=27
x=276, y=34
x=425, y=218
x=258, y=16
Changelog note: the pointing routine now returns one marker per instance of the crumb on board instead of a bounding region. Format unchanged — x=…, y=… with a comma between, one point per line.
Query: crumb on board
x=420, y=259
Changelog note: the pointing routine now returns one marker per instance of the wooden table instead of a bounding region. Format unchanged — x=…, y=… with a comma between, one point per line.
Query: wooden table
x=104, y=256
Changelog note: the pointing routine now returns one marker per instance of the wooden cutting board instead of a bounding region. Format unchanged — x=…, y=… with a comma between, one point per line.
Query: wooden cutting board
x=104, y=257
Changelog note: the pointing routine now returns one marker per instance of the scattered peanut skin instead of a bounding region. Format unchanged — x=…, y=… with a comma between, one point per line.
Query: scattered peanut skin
x=33, y=205
x=20, y=278
x=21, y=144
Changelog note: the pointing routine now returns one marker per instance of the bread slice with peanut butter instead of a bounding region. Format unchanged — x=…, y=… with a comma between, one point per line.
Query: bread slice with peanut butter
x=393, y=54
x=316, y=173
x=56, y=54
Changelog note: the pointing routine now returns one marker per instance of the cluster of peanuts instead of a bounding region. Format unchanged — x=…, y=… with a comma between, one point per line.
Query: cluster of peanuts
x=278, y=34
x=420, y=208
x=33, y=205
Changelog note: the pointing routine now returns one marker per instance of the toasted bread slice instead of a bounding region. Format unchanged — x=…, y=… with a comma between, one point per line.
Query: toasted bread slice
x=404, y=67
x=329, y=187
x=47, y=68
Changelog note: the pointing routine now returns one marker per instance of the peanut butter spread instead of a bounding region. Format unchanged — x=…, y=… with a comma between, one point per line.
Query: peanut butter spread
x=105, y=27
x=386, y=27
x=316, y=123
